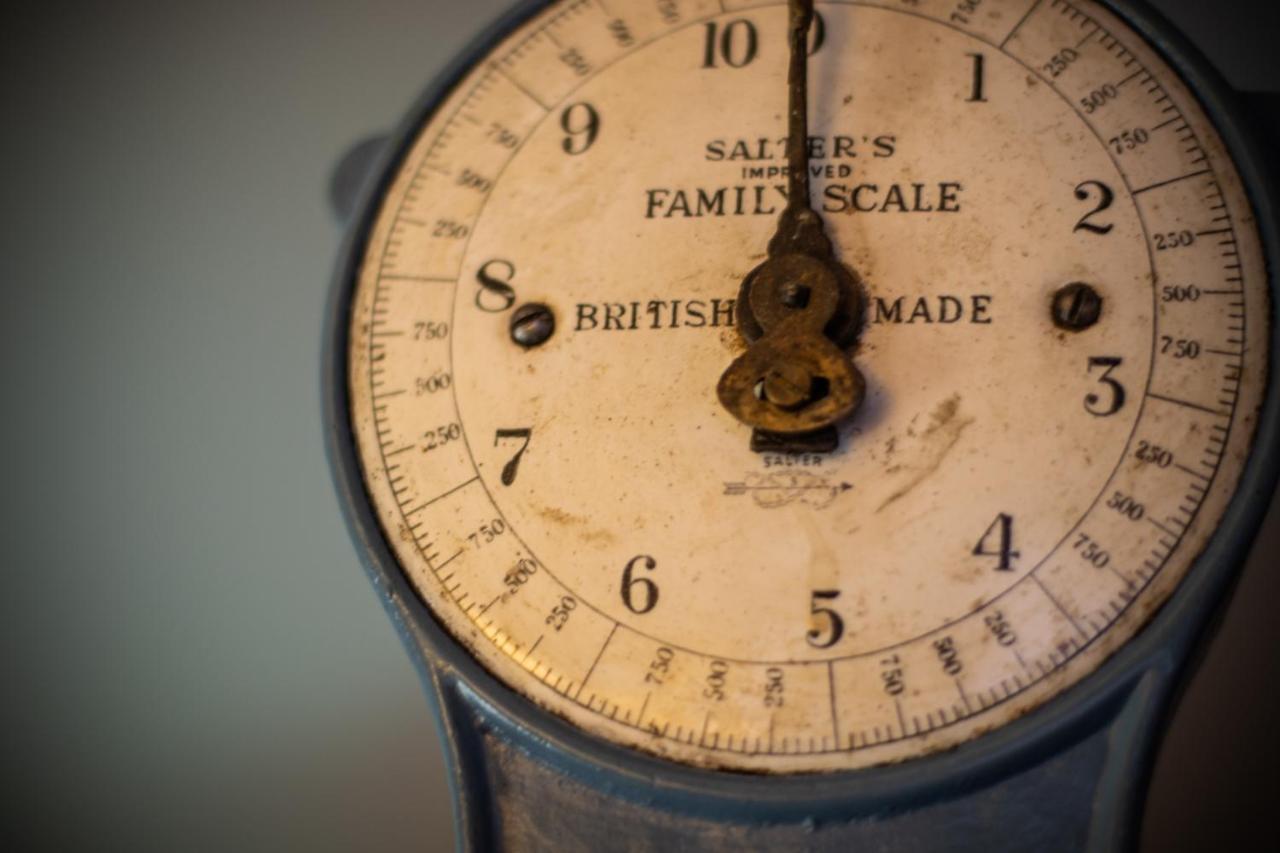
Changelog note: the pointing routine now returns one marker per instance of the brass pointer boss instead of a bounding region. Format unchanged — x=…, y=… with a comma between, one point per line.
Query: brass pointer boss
x=797, y=309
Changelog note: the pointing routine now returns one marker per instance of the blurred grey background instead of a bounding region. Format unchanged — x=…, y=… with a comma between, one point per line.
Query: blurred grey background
x=192, y=658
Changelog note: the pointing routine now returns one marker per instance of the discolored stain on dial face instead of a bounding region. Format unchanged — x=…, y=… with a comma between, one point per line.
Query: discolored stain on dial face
x=1065, y=347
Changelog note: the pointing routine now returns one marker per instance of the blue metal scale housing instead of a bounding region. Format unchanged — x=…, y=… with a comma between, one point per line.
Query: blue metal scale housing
x=1070, y=775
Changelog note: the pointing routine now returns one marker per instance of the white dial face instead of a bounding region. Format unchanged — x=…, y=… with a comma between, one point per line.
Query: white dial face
x=1011, y=504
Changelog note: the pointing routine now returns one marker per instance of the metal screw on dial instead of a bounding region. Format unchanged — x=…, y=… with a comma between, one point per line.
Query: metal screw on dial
x=788, y=386
x=532, y=325
x=1076, y=307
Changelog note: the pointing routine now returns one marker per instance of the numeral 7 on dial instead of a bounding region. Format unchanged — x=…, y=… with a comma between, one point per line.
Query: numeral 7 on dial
x=512, y=467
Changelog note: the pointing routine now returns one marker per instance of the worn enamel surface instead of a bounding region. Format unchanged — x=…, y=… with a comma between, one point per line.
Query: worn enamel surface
x=1009, y=506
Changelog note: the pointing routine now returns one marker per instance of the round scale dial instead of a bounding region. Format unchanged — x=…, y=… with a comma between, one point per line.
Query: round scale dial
x=1062, y=336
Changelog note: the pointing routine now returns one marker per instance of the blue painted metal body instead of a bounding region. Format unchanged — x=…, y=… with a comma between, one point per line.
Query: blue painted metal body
x=1079, y=763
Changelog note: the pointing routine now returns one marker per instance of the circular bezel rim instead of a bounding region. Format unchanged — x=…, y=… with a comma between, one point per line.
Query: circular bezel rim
x=1162, y=646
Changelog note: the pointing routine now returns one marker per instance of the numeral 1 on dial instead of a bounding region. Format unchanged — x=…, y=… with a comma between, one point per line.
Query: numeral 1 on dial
x=978, y=93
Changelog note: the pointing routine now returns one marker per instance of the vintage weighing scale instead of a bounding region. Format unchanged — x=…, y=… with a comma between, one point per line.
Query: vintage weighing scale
x=870, y=493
